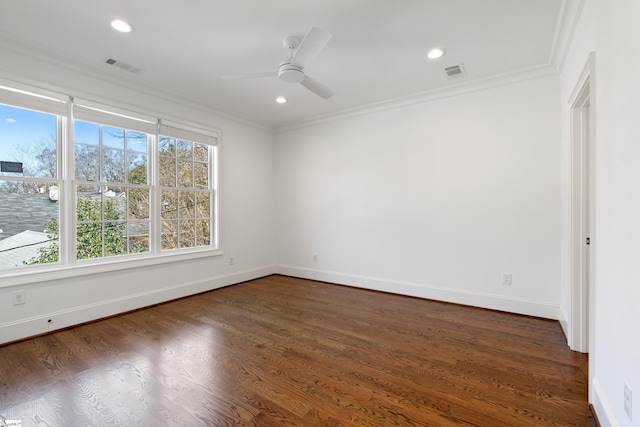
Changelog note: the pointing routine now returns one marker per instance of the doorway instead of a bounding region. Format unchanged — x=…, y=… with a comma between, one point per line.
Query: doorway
x=582, y=211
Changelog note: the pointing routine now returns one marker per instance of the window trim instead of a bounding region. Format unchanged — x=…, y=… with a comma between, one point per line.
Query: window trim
x=50, y=272
x=68, y=266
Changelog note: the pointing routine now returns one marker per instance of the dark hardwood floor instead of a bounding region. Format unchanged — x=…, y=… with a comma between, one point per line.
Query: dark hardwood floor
x=280, y=351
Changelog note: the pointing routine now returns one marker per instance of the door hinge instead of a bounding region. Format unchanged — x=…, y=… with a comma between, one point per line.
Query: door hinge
x=588, y=240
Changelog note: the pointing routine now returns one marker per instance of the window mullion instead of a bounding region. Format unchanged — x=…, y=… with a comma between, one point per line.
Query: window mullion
x=67, y=232
x=154, y=195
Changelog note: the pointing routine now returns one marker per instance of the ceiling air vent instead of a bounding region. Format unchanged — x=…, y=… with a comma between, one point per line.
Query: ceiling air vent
x=122, y=65
x=455, y=71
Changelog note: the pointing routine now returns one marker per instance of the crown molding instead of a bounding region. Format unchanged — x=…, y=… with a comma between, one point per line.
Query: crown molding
x=570, y=14
x=428, y=96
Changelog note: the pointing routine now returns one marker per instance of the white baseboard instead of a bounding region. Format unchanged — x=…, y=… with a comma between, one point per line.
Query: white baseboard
x=601, y=405
x=564, y=324
x=24, y=328
x=476, y=299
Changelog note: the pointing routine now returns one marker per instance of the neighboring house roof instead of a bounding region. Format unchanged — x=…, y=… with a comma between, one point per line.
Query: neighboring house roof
x=22, y=220
x=25, y=211
x=21, y=247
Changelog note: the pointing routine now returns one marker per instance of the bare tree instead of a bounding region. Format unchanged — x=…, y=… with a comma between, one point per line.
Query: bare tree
x=39, y=159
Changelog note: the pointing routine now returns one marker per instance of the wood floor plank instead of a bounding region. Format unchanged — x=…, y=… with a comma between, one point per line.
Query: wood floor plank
x=281, y=351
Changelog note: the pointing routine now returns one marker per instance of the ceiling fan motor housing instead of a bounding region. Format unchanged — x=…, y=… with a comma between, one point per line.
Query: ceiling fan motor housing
x=290, y=73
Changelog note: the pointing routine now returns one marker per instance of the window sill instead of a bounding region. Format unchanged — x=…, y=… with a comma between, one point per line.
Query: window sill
x=85, y=268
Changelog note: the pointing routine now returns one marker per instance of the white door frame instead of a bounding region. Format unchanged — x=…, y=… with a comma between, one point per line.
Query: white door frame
x=583, y=210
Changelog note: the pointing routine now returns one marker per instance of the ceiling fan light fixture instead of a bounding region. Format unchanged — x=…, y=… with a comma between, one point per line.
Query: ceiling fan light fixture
x=292, y=70
x=435, y=53
x=122, y=26
x=290, y=73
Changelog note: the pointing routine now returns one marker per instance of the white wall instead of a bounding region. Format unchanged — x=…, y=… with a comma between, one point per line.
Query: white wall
x=609, y=28
x=435, y=199
x=617, y=347
x=247, y=221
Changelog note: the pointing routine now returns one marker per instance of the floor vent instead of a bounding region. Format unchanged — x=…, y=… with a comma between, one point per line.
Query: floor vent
x=122, y=65
x=455, y=71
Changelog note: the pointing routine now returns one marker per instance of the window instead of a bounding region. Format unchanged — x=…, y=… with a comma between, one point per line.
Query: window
x=115, y=185
x=112, y=189
x=186, y=188
x=30, y=135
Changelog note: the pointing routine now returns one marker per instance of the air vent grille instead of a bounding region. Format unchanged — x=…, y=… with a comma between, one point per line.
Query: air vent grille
x=455, y=71
x=123, y=66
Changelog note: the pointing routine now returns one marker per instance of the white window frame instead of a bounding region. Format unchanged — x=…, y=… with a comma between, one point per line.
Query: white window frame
x=66, y=108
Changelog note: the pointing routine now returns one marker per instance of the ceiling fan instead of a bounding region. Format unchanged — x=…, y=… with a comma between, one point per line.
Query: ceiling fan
x=292, y=70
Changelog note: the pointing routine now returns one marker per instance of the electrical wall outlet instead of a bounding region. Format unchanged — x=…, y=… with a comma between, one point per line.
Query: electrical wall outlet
x=506, y=279
x=18, y=297
x=628, y=401
x=231, y=260
x=315, y=257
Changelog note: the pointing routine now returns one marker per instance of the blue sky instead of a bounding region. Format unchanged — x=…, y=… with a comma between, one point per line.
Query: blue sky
x=22, y=127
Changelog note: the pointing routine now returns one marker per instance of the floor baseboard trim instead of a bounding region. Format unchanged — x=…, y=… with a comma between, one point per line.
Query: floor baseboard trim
x=601, y=406
x=476, y=299
x=564, y=325
x=49, y=322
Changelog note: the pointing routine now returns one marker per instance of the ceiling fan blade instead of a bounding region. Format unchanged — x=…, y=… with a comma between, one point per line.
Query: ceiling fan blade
x=242, y=76
x=311, y=44
x=317, y=87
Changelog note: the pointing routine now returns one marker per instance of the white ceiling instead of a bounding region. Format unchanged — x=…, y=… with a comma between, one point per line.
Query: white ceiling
x=377, y=52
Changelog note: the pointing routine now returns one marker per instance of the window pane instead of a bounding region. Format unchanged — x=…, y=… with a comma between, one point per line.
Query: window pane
x=113, y=137
x=89, y=240
x=187, y=204
x=201, y=152
x=138, y=237
x=203, y=237
x=87, y=162
x=28, y=143
x=138, y=199
x=169, y=207
x=203, y=205
x=29, y=223
x=137, y=168
x=113, y=165
x=201, y=175
x=115, y=242
x=87, y=133
x=136, y=141
x=185, y=149
x=167, y=171
x=114, y=205
x=185, y=173
x=187, y=233
x=167, y=146
x=89, y=204
x=169, y=234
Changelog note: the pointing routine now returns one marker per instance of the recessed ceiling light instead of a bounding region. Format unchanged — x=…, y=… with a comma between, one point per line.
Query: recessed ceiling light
x=122, y=26
x=281, y=100
x=435, y=53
